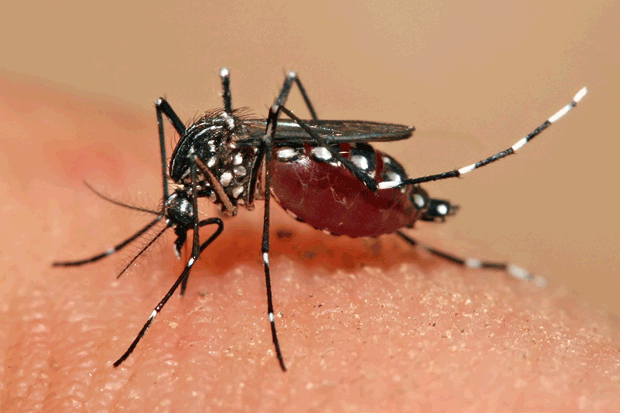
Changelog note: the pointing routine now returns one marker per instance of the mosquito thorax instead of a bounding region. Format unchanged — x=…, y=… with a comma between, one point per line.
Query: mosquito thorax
x=213, y=139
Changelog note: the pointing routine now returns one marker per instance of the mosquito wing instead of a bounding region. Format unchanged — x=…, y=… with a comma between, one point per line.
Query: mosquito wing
x=333, y=131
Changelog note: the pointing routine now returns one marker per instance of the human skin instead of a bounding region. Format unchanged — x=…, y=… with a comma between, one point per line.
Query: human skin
x=364, y=325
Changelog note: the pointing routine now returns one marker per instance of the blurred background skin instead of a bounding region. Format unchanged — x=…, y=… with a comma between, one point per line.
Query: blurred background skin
x=473, y=78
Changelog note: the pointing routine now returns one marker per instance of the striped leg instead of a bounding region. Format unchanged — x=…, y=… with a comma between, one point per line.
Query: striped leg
x=110, y=250
x=226, y=95
x=120, y=245
x=466, y=169
x=197, y=249
x=163, y=108
x=291, y=78
x=474, y=263
x=286, y=88
x=267, y=150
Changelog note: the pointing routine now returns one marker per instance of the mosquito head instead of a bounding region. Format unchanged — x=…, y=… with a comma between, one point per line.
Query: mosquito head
x=179, y=210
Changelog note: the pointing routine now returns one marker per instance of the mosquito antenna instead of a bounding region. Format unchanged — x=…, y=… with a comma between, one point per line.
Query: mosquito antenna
x=121, y=204
x=142, y=250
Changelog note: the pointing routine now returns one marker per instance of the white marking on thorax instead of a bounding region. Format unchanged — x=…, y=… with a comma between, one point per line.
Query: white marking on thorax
x=226, y=178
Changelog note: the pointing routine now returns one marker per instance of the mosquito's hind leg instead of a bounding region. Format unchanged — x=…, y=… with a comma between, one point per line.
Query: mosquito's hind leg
x=291, y=78
x=110, y=250
x=474, y=263
x=510, y=151
x=286, y=88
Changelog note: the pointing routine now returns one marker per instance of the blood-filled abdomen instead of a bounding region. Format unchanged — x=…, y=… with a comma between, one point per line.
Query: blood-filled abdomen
x=308, y=183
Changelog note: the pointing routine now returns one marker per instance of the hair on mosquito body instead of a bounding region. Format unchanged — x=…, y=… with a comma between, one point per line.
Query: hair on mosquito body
x=324, y=173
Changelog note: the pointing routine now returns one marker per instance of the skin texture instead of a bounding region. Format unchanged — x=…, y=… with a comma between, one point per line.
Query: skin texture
x=365, y=325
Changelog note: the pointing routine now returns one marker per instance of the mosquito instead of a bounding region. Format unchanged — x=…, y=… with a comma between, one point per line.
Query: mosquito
x=322, y=172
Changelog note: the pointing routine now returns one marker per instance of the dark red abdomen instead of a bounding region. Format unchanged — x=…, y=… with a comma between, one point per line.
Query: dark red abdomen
x=329, y=197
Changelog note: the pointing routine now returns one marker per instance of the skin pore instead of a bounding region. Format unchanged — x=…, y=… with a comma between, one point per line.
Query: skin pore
x=364, y=325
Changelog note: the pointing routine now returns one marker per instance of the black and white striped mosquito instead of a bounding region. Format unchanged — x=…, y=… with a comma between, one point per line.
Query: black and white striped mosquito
x=322, y=172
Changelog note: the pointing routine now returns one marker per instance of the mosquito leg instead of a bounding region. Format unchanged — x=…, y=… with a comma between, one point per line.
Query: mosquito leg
x=208, y=221
x=462, y=171
x=256, y=170
x=184, y=276
x=226, y=95
x=196, y=236
x=217, y=187
x=474, y=263
x=182, y=279
x=284, y=92
x=196, y=232
x=291, y=78
x=109, y=251
x=266, y=147
x=286, y=88
x=163, y=107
